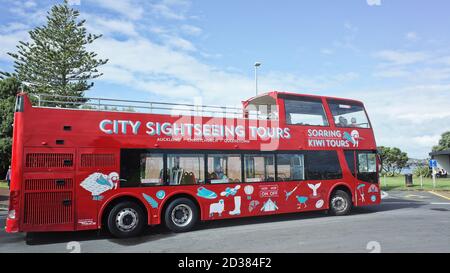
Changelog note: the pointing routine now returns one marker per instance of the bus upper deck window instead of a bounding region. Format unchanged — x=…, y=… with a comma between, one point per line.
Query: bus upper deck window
x=348, y=114
x=305, y=112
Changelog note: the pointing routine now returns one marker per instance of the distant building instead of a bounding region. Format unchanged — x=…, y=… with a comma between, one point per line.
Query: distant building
x=442, y=158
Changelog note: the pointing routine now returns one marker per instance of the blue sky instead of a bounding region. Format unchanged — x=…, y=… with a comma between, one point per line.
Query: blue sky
x=393, y=55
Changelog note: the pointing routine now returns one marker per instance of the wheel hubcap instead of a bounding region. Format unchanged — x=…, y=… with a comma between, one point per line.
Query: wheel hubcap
x=181, y=215
x=339, y=203
x=127, y=219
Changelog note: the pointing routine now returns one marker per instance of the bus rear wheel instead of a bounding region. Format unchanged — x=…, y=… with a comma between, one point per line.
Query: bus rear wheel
x=126, y=219
x=340, y=203
x=181, y=215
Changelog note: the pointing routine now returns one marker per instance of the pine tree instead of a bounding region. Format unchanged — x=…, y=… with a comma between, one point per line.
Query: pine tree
x=56, y=60
x=8, y=90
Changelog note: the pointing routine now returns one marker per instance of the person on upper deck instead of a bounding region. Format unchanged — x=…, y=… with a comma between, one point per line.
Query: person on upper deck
x=342, y=122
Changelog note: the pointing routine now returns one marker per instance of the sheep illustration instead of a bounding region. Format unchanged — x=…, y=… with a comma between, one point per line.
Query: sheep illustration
x=216, y=208
x=98, y=183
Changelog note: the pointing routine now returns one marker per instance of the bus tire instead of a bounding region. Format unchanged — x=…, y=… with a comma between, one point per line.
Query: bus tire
x=126, y=219
x=181, y=215
x=340, y=203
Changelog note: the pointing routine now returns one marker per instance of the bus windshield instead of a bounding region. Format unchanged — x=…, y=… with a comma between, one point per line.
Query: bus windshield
x=348, y=114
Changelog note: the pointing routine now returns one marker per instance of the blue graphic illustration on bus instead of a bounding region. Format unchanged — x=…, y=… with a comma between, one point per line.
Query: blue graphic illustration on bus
x=150, y=200
x=205, y=193
x=230, y=191
x=301, y=201
x=353, y=137
x=161, y=194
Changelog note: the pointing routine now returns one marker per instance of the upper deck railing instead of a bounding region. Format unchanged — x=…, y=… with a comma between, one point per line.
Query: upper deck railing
x=133, y=106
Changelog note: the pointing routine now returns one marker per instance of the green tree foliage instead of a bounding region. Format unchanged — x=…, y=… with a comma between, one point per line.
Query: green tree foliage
x=422, y=170
x=444, y=143
x=56, y=60
x=393, y=160
x=8, y=90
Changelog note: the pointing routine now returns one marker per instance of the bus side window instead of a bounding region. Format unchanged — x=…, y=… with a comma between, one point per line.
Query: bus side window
x=138, y=168
x=130, y=162
x=224, y=168
x=259, y=167
x=152, y=169
x=305, y=112
x=322, y=165
x=290, y=167
x=367, y=167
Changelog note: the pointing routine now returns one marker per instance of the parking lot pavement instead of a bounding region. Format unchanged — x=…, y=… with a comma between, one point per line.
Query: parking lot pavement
x=404, y=222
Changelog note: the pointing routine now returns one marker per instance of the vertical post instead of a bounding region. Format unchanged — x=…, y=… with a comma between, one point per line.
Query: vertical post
x=421, y=181
x=256, y=81
x=434, y=178
x=257, y=64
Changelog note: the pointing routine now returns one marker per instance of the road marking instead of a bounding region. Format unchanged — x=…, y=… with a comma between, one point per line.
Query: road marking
x=415, y=196
x=440, y=195
x=384, y=194
x=437, y=203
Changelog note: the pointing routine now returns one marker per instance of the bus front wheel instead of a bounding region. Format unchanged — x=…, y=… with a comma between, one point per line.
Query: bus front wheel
x=126, y=219
x=340, y=203
x=181, y=215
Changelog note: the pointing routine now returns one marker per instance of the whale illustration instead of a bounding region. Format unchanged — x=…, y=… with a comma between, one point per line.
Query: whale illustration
x=314, y=188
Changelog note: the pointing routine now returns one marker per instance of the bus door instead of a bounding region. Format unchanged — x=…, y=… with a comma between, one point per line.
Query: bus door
x=363, y=167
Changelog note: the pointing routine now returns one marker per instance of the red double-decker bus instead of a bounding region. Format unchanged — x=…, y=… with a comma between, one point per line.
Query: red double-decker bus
x=81, y=164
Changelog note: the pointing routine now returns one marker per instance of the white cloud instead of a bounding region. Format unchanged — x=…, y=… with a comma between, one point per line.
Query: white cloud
x=128, y=8
x=394, y=57
x=396, y=72
x=412, y=36
x=97, y=24
x=348, y=40
x=14, y=26
x=179, y=43
x=9, y=41
x=29, y=4
x=374, y=2
x=167, y=12
x=327, y=51
x=191, y=30
x=409, y=117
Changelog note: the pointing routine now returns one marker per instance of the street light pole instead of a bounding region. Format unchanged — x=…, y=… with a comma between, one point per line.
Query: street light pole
x=257, y=64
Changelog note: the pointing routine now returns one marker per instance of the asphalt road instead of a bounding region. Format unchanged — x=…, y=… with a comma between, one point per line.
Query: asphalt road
x=404, y=222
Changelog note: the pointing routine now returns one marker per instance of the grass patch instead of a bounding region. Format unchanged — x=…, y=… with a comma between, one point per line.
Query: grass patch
x=3, y=184
x=398, y=183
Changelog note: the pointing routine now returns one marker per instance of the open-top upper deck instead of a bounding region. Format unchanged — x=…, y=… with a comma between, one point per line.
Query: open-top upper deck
x=271, y=121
